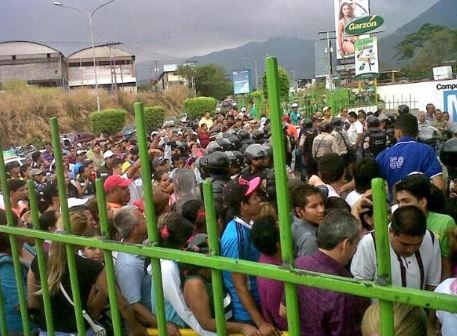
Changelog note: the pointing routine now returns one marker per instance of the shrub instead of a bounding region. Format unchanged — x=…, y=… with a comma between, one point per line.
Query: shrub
x=153, y=117
x=109, y=121
x=197, y=107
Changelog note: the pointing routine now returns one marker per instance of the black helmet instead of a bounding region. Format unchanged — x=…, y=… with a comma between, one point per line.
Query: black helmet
x=327, y=127
x=258, y=136
x=255, y=151
x=448, y=156
x=243, y=134
x=212, y=147
x=235, y=158
x=373, y=121
x=336, y=122
x=233, y=138
x=453, y=129
x=429, y=135
x=225, y=144
x=403, y=109
x=217, y=163
x=307, y=123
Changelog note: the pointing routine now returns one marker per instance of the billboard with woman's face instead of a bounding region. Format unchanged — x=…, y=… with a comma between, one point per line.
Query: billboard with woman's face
x=345, y=12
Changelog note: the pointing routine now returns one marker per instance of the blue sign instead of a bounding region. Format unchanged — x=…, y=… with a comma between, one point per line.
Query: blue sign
x=450, y=103
x=241, y=81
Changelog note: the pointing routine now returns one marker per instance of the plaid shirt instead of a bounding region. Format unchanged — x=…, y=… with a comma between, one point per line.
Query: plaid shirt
x=323, y=312
x=323, y=144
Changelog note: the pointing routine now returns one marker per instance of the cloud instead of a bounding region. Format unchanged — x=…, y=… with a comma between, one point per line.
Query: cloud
x=182, y=28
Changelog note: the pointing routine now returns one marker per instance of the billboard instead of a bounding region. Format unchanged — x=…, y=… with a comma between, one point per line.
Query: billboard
x=366, y=58
x=241, y=81
x=347, y=11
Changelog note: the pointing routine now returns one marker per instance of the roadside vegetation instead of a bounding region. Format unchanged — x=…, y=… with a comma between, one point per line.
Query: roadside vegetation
x=25, y=110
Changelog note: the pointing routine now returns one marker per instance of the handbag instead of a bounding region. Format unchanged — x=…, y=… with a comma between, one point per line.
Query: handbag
x=350, y=149
x=96, y=328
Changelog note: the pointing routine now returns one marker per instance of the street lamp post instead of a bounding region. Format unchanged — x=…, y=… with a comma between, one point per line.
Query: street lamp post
x=90, y=15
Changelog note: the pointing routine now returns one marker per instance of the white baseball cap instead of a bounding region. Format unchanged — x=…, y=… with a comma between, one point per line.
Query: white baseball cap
x=109, y=153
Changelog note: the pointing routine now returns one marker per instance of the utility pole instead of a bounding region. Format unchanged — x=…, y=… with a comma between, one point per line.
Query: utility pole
x=329, y=36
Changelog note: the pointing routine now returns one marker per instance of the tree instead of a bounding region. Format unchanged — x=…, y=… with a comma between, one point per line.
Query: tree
x=210, y=80
x=414, y=42
x=187, y=71
x=429, y=47
x=283, y=85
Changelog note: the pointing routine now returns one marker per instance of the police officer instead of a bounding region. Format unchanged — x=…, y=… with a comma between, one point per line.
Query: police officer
x=375, y=140
x=257, y=162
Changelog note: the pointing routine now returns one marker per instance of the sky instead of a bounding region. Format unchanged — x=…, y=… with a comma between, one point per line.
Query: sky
x=178, y=29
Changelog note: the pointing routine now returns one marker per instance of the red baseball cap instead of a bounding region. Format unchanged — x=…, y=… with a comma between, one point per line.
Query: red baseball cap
x=115, y=181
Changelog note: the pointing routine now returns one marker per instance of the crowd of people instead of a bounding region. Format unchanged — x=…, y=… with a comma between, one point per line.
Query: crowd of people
x=331, y=160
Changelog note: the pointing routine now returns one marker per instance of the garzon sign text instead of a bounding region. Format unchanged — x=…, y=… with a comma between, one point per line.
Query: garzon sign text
x=364, y=25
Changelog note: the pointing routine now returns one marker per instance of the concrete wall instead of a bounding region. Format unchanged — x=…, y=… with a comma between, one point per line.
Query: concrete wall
x=443, y=94
x=34, y=70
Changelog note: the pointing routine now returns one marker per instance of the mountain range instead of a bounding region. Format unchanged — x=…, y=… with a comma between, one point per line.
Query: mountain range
x=298, y=55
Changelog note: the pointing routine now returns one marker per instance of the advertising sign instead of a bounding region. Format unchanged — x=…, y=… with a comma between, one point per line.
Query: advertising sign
x=347, y=11
x=241, y=82
x=366, y=58
x=364, y=25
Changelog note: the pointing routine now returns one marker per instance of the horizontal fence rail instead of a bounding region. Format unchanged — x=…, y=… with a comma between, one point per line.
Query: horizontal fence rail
x=286, y=274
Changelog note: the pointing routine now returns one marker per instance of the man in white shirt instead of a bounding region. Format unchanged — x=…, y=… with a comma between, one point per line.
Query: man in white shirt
x=355, y=133
x=414, y=252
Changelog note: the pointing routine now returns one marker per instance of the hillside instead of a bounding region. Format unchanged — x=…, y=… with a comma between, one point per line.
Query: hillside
x=294, y=54
x=442, y=13
x=297, y=54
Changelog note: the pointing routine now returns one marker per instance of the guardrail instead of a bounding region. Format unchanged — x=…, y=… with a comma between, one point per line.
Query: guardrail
x=380, y=289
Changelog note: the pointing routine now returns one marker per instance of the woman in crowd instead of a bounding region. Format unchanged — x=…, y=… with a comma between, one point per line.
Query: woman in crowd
x=8, y=283
x=408, y=321
x=175, y=232
x=84, y=181
x=92, y=284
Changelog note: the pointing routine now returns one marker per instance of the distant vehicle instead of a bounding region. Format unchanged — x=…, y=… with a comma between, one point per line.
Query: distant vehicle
x=84, y=137
x=17, y=159
x=69, y=136
x=128, y=131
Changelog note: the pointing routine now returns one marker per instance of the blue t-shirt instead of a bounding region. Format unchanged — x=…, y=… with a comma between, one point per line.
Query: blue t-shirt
x=10, y=294
x=236, y=243
x=405, y=157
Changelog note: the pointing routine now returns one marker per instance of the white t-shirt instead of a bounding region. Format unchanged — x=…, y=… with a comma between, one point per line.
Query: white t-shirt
x=417, y=271
x=354, y=130
x=448, y=320
x=352, y=198
x=171, y=282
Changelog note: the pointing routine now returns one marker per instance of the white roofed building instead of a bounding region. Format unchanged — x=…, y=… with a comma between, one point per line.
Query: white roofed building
x=169, y=78
x=115, y=68
x=35, y=63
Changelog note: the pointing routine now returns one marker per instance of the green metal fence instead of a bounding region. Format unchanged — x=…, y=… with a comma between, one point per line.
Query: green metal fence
x=379, y=289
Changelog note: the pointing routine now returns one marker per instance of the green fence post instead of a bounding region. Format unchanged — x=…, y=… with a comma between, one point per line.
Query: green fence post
x=108, y=258
x=382, y=253
x=69, y=249
x=213, y=242
x=42, y=268
x=282, y=194
x=151, y=220
x=15, y=247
